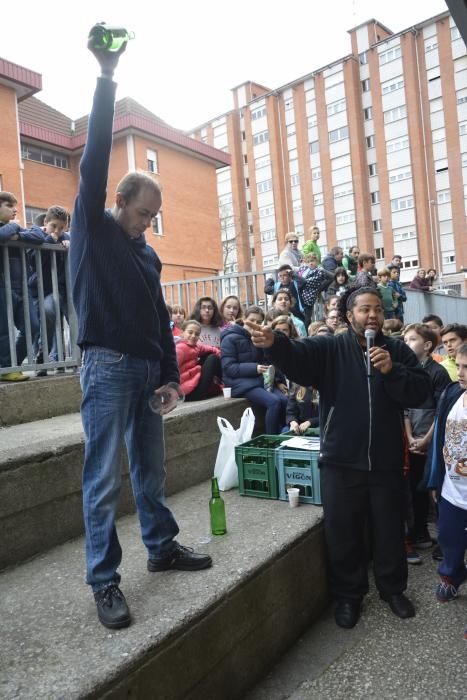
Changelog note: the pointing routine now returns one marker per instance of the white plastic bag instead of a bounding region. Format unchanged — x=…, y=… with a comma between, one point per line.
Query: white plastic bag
x=226, y=468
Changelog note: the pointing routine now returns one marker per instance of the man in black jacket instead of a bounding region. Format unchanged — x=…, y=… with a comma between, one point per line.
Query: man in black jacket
x=362, y=448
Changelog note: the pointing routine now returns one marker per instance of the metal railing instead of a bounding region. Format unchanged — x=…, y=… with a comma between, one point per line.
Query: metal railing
x=23, y=318
x=248, y=286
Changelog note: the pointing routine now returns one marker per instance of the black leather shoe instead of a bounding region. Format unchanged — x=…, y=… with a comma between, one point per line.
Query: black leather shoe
x=181, y=558
x=400, y=605
x=347, y=613
x=112, y=609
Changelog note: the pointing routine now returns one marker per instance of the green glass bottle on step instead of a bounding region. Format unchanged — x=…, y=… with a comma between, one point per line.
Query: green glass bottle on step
x=217, y=510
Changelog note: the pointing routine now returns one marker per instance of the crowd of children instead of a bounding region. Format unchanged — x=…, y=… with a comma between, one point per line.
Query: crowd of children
x=50, y=229
x=214, y=349
x=442, y=419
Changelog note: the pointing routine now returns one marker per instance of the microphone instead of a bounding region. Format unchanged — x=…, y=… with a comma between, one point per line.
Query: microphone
x=370, y=335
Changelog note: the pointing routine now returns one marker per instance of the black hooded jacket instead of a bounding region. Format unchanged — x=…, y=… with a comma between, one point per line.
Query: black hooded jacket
x=361, y=418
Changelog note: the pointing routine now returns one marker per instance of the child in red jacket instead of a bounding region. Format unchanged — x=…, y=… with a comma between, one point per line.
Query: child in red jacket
x=199, y=365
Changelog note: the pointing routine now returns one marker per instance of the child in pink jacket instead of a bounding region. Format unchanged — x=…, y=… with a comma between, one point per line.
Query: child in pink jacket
x=199, y=365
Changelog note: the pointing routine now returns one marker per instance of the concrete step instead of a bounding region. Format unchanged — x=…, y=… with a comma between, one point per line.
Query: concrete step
x=383, y=657
x=198, y=636
x=41, y=464
x=39, y=398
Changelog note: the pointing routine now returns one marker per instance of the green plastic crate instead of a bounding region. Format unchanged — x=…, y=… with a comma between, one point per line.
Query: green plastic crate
x=299, y=469
x=256, y=462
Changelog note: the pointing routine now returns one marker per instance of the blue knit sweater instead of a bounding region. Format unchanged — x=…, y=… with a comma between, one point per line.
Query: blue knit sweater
x=116, y=283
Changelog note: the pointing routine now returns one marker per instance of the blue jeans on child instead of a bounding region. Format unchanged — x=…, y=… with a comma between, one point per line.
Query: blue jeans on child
x=452, y=538
x=19, y=321
x=116, y=389
x=274, y=402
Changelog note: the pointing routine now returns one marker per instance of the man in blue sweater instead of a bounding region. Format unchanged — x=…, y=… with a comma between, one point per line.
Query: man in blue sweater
x=129, y=353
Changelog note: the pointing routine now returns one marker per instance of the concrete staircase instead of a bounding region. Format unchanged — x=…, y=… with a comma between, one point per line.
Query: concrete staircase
x=209, y=634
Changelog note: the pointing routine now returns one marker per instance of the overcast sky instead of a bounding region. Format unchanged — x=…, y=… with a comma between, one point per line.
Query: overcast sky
x=187, y=55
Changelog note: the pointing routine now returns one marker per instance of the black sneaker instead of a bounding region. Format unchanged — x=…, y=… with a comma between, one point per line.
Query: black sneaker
x=181, y=558
x=437, y=554
x=112, y=609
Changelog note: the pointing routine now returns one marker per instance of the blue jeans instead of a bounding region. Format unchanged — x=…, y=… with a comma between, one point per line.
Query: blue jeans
x=116, y=389
x=18, y=319
x=50, y=323
x=274, y=402
x=452, y=538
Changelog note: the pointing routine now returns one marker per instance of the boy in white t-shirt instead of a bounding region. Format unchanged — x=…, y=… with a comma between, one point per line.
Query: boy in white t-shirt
x=449, y=476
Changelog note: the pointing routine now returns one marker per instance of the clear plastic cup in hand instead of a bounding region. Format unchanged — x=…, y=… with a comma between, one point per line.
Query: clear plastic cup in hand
x=166, y=398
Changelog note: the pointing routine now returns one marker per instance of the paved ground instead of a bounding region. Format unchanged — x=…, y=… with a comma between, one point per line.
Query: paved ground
x=383, y=657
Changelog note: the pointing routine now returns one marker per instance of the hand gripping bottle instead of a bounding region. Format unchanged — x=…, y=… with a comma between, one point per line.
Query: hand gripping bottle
x=109, y=38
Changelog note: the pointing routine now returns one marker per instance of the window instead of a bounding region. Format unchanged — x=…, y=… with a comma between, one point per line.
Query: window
x=270, y=261
x=247, y=182
x=318, y=199
x=368, y=113
x=462, y=96
x=151, y=160
x=370, y=141
x=47, y=157
x=314, y=147
x=372, y=169
x=374, y=197
x=397, y=145
x=363, y=58
x=462, y=128
x=345, y=217
x=393, y=115
x=431, y=44
x=455, y=33
x=343, y=190
x=389, y=55
x=377, y=225
x=392, y=85
x=365, y=85
x=288, y=103
x=312, y=120
x=291, y=129
x=31, y=213
x=438, y=134
x=336, y=107
x=264, y=186
x=339, y=134
x=400, y=174
x=401, y=203
x=262, y=162
x=268, y=235
x=258, y=113
x=404, y=235
x=266, y=211
x=316, y=173
x=443, y=196
x=262, y=137
x=449, y=258
x=157, y=227
x=295, y=180
x=410, y=263
x=379, y=253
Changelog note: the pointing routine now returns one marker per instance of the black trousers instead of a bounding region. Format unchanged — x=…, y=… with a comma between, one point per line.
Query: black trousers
x=210, y=368
x=357, y=504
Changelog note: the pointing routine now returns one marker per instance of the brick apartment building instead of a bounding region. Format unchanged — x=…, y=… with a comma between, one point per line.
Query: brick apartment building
x=40, y=149
x=371, y=148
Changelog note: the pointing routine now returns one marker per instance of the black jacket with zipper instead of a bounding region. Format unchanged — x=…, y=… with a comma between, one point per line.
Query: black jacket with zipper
x=361, y=418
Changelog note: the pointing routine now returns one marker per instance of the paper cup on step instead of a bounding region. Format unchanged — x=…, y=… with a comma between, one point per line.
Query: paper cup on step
x=227, y=391
x=294, y=497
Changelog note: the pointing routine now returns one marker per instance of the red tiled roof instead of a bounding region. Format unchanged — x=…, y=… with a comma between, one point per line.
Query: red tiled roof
x=26, y=82
x=34, y=111
x=43, y=123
